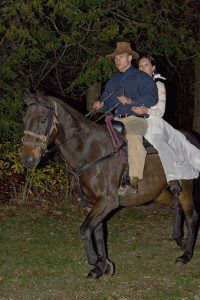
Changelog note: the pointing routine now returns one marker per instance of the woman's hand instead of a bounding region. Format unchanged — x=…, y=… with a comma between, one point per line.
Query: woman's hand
x=141, y=110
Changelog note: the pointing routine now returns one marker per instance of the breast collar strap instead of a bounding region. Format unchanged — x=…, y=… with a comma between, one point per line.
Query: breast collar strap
x=88, y=166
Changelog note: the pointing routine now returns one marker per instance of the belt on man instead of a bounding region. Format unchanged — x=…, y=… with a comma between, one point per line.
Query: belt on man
x=123, y=116
x=127, y=115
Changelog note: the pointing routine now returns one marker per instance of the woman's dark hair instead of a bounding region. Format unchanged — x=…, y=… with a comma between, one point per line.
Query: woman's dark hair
x=150, y=58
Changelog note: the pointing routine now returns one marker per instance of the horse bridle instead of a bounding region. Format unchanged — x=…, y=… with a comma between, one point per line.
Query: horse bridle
x=43, y=138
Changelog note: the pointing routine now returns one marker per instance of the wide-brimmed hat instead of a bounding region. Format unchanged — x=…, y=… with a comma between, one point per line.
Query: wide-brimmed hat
x=123, y=47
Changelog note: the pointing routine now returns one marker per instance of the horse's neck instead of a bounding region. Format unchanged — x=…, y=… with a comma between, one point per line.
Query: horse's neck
x=72, y=136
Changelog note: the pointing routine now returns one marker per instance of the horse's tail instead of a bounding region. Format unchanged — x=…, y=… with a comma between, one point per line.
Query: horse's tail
x=194, y=138
x=196, y=200
x=196, y=193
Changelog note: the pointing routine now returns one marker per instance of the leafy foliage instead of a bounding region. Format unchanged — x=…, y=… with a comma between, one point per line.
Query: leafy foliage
x=60, y=45
x=52, y=178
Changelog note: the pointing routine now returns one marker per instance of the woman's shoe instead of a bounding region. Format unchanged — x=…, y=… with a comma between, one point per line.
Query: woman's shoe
x=175, y=187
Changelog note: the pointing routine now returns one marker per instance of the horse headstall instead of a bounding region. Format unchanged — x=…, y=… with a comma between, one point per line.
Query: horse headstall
x=43, y=138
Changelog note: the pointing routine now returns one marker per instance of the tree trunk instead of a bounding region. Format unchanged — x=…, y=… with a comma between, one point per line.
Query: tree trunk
x=93, y=93
x=196, y=118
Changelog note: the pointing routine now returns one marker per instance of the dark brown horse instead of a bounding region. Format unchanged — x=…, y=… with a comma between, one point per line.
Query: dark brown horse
x=80, y=142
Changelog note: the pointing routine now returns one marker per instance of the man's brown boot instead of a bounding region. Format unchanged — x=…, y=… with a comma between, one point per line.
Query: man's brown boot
x=134, y=184
x=174, y=187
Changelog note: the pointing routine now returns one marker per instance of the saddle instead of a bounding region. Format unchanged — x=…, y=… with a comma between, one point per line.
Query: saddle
x=120, y=129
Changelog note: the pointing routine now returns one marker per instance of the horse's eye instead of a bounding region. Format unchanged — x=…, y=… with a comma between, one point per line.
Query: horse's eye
x=43, y=120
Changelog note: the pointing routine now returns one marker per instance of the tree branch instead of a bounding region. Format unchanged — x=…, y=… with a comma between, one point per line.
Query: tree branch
x=56, y=62
x=85, y=48
x=125, y=18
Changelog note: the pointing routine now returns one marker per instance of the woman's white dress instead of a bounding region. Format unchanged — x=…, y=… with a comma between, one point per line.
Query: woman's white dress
x=180, y=159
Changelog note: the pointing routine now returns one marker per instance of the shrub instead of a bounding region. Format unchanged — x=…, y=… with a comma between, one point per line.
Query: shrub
x=52, y=179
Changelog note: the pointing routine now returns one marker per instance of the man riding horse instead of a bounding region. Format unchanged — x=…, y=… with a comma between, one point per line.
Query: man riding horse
x=130, y=87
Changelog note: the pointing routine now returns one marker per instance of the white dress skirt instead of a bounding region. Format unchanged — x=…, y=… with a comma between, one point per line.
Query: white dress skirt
x=180, y=159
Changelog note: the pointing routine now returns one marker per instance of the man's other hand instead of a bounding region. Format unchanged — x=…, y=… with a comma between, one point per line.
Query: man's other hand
x=98, y=105
x=124, y=100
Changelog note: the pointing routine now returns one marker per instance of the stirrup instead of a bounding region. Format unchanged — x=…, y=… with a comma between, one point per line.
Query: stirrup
x=125, y=190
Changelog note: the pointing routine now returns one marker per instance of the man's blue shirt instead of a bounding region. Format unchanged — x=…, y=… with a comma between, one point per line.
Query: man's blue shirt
x=134, y=84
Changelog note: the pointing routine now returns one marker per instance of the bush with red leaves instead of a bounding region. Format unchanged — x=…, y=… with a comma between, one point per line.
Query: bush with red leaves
x=9, y=184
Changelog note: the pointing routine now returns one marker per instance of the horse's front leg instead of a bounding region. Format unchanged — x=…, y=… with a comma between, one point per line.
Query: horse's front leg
x=100, y=240
x=191, y=217
x=93, y=219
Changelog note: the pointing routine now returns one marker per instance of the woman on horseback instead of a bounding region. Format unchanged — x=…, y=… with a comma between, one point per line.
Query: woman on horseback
x=180, y=159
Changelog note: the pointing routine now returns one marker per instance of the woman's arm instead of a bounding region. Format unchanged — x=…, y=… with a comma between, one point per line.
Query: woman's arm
x=159, y=109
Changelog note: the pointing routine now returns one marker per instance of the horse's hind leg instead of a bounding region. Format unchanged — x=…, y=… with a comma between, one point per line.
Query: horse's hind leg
x=178, y=225
x=167, y=198
x=191, y=217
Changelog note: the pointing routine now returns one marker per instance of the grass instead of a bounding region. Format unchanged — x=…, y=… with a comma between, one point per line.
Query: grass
x=42, y=257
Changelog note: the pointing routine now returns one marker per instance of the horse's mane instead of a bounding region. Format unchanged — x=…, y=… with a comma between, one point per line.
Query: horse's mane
x=75, y=113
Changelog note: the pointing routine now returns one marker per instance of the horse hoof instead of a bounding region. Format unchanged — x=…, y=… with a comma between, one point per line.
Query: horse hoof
x=110, y=268
x=181, y=243
x=184, y=258
x=104, y=266
x=93, y=276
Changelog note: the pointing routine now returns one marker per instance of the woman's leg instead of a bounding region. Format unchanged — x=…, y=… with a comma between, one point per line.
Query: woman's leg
x=166, y=153
x=180, y=159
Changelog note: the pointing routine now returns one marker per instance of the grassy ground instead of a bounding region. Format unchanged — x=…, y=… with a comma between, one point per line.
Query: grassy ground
x=42, y=257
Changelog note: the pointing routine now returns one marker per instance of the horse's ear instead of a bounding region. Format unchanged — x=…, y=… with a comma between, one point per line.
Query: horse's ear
x=42, y=99
x=29, y=98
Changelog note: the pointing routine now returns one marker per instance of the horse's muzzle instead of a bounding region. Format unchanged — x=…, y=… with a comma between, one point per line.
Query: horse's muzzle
x=29, y=162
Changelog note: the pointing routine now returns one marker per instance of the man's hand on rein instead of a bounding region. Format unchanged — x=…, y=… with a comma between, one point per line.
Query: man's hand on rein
x=98, y=105
x=124, y=100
